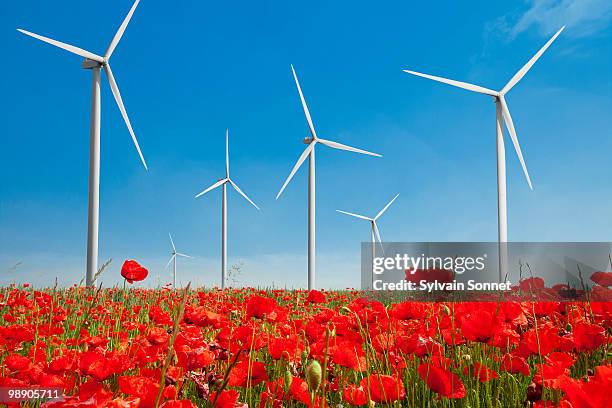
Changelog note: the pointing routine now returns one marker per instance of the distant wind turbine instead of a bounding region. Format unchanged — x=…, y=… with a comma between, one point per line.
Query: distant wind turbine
x=374, y=228
x=310, y=153
x=96, y=63
x=502, y=116
x=223, y=183
x=172, y=260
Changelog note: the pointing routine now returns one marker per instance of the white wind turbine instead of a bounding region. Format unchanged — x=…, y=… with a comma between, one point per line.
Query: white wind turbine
x=96, y=63
x=223, y=183
x=172, y=260
x=502, y=116
x=310, y=153
x=374, y=228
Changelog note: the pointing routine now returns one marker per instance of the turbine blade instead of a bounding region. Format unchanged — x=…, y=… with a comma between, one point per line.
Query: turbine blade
x=521, y=73
x=464, y=85
x=117, y=95
x=185, y=256
x=227, y=153
x=377, y=232
x=305, y=154
x=120, y=32
x=170, y=261
x=304, y=106
x=386, y=207
x=71, y=48
x=517, y=146
x=172, y=242
x=363, y=217
x=341, y=146
x=242, y=193
x=217, y=184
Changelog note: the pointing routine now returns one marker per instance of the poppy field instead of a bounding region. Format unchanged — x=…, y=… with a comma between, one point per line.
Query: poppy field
x=239, y=348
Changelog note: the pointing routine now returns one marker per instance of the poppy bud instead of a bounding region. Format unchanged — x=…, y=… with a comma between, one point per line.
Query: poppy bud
x=467, y=357
x=314, y=375
x=345, y=309
x=445, y=310
x=287, y=380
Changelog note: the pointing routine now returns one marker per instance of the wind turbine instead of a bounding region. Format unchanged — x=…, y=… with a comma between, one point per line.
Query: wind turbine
x=95, y=63
x=173, y=260
x=310, y=153
x=502, y=116
x=223, y=183
x=374, y=227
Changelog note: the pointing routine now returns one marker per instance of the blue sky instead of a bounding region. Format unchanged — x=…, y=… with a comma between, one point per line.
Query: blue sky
x=189, y=70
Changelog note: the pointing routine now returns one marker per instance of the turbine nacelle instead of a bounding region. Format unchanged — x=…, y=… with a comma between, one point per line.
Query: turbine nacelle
x=91, y=64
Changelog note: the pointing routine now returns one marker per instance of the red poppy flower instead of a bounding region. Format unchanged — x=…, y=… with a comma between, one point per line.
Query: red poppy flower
x=515, y=365
x=158, y=335
x=384, y=388
x=481, y=372
x=247, y=372
x=299, y=391
x=226, y=399
x=531, y=284
x=429, y=275
x=409, y=310
x=441, y=380
x=288, y=348
x=260, y=306
x=479, y=325
x=17, y=362
x=354, y=395
x=588, y=336
x=544, y=341
x=593, y=393
x=602, y=278
x=132, y=271
x=350, y=356
x=141, y=387
x=315, y=296
x=194, y=358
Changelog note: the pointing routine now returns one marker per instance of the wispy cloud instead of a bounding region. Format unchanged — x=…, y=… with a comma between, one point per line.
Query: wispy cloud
x=582, y=17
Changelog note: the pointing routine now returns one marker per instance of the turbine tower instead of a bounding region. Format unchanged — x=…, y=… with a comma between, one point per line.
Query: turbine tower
x=502, y=116
x=96, y=63
x=374, y=229
x=310, y=153
x=223, y=183
x=175, y=254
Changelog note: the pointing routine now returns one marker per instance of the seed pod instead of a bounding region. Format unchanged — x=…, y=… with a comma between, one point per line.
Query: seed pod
x=314, y=375
x=534, y=392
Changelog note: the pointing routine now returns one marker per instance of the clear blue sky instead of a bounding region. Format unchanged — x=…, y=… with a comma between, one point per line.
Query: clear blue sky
x=188, y=70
